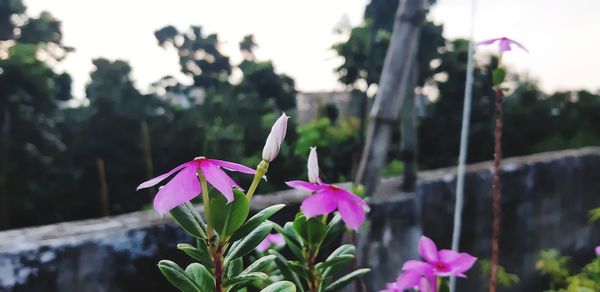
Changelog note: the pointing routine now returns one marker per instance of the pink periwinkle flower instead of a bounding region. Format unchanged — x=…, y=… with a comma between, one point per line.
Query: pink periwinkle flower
x=275, y=138
x=504, y=43
x=422, y=279
x=328, y=198
x=186, y=186
x=273, y=239
x=598, y=250
x=422, y=276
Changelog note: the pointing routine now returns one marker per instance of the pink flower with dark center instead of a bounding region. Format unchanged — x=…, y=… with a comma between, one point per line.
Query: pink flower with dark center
x=328, y=198
x=185, y=185
x=273, y=239
x=505, y=44
x=444, y=262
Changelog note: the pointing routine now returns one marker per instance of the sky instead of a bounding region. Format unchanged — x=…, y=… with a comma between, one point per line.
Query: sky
x=562, y=36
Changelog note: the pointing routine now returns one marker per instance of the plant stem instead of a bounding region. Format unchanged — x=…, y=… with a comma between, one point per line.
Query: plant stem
x=218, y=261
x=313, y=285
x=209, y=230
x=261, y=170
x=496, y=204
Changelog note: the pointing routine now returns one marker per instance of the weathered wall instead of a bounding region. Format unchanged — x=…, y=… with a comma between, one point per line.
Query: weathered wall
x=545, y=201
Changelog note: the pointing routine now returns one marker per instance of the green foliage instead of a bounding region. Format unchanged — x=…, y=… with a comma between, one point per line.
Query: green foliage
x=228, y=217
x=555, y=267
x=306, y=238
x=505, y=279
x=594, y=214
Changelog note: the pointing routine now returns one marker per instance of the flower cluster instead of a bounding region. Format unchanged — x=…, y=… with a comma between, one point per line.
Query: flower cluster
x=423, y=276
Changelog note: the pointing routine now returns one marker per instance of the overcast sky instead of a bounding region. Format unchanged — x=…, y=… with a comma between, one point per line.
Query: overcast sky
x=562, y=36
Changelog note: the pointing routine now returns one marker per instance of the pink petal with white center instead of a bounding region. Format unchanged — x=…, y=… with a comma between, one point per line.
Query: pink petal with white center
x=182, y=188
x=427, y=249
x=298, y=184
x=156, y=180
x=232, y=166
x=323, y=202
x=351, y=211
x=219, y=179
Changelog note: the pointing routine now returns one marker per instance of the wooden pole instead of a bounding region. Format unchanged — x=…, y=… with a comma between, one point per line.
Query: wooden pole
x=103, y=187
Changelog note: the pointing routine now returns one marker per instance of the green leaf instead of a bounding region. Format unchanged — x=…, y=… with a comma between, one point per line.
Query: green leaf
x=188, y=217
x=244, y=279
x=178, y=277
x=300, y=269
x=201, y=276
x=290, y=239
x=498, y=76
x=256, y=220
x=225, y=217
x=342, y=250
x=334, y=262
x=260, y=264
x=312, y=230
x=281, y=286
x=200, y=255
x=285, y=270
x=345, y=280
x=235, y=267
x=334, y=230
x=247, y=244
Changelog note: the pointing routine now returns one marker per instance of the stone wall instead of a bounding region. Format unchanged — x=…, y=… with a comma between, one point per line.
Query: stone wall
x=545, y=201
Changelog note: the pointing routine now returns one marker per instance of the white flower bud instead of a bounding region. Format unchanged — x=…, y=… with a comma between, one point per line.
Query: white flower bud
x=275, y=138
x=313, y=166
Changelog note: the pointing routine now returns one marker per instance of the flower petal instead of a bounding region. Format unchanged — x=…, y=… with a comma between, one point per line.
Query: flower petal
x=352, y=212
x=428, y=283
x=598, y=250
x=182, y=188
x=323, y=202
x=520, y=45
x=156, y=180
x=298, y=184
x=462, y=263
x=232, y=166
x=219, y=179
x=276, y=239
x=487, y=42
x=313, y=166
x=427, y=249
x=263, y=245
x=447, y=256
x=417, y=266
x=505, y=45
x=408, y=280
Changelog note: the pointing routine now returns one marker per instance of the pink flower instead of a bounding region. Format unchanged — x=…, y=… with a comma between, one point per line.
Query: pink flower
x=598, y=250
x=443, y=263
x=313, y=166
x=422, y=279
x=275, y=138
x=274, y=239
x=186, y=186
x=504, y=43
x=328, y=198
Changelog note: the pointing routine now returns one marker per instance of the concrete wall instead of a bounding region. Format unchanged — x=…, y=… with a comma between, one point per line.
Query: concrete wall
x=545, y=201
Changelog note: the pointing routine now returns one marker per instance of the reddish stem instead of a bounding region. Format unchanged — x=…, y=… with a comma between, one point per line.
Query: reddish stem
x=218, y=260
x=496, y=206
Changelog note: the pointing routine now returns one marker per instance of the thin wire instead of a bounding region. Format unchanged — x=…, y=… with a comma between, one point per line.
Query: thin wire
x=464, y=135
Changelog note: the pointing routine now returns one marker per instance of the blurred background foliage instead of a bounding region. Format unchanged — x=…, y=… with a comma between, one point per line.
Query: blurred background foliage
x=65, y=158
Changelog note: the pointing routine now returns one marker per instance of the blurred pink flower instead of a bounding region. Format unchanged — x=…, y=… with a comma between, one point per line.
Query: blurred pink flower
x=186, y=186
x=598, y=250
x=422, y=279
x=273, y=239
x=444, y=262
x=504, y=44
x=328, y=198
x=275, y=138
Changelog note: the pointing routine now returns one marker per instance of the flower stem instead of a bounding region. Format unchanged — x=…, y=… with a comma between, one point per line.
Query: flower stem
x=218, y=261
x=261, y=170
x=209, y=230
x=496, y=204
